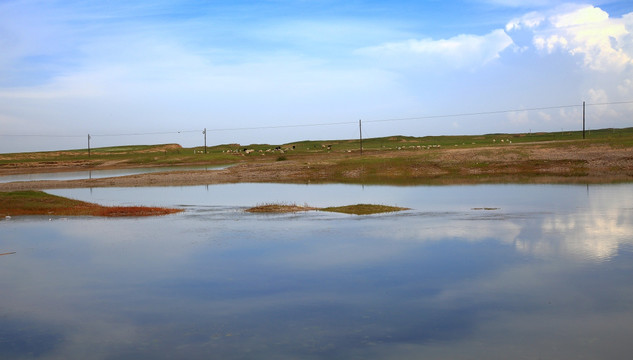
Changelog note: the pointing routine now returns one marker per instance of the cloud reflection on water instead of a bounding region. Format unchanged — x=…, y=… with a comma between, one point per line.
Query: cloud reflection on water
x=591, y=232
x=594, y=233
x=216, y=281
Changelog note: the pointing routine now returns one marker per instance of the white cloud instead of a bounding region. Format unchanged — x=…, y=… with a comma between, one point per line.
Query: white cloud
x=601, y=47
x=519, y=117
x=529, y=21
x=582, y=16
x=462, y=51
x=597, y=96
x=76, y=68
x=602, y=42
x=545, y=116
x=80, y=85
x=550, y=43
x=599, y=113
x=625, y=89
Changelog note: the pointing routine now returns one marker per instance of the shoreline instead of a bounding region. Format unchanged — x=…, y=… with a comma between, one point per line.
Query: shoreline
x=524, y=163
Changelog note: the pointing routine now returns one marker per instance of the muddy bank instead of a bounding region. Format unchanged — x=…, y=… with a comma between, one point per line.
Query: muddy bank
x=518, y=164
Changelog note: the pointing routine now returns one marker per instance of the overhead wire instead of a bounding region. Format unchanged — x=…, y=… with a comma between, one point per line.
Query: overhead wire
x=424, y=117
x=284, y=126
x=473, y=113
x=43, y=135
x=147, y=133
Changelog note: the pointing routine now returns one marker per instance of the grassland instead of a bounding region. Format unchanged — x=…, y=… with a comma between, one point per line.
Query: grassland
x=19, y=203
x=605, y=156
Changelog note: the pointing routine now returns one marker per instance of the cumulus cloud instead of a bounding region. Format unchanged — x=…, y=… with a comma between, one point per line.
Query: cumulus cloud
x=625, y=89
x=462, y=51
x=530, y=20
x=81, y=66
x=519, y=117
x=589, y=32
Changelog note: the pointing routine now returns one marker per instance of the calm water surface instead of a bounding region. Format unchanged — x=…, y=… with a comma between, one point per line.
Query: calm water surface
x=98, y=174
x=547, y=274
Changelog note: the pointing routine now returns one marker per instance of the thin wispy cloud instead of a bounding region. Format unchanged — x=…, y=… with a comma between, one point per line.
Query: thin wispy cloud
x=461, y=51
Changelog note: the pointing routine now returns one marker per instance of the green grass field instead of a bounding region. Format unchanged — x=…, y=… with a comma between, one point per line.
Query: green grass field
x=171, y=154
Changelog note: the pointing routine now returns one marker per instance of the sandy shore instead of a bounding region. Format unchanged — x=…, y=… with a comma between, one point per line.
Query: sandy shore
x=523, y=163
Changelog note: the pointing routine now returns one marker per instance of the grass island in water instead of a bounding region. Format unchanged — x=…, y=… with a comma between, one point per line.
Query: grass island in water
x=358, y=209
x=19, y=203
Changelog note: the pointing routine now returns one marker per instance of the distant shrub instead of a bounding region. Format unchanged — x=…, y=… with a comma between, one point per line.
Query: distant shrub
x=282, y=158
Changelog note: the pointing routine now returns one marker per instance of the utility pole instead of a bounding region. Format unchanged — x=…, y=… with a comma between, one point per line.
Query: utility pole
x=88, y=145
x=360, y=129
x=583, y=120
x=205, y=140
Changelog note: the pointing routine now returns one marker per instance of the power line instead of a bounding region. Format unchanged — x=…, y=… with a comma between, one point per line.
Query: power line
x=147, y=133
x=284, y=126
x=474, y=113
x=100, y=135
x=424, y=117
x=43, y=135
x=613, y=103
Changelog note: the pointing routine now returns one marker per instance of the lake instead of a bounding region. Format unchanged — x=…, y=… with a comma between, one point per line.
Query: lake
x=486, y=271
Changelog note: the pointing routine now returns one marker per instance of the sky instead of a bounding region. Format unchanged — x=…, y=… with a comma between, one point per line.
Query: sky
x=277, y=71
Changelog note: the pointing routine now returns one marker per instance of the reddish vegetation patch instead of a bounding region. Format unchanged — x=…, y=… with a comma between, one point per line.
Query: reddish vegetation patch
x=279, y=208
x=39, y=203
x=93, y=210
x=113, y=211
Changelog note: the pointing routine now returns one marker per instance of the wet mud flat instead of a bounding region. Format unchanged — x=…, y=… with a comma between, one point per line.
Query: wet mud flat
x=521, y=163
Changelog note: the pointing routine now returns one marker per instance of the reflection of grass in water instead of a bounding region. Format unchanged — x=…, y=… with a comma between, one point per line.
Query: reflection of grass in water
x=358, y=209
x=363, y=209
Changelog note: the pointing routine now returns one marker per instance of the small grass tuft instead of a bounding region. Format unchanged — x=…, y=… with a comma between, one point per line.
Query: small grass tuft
x=279, y=208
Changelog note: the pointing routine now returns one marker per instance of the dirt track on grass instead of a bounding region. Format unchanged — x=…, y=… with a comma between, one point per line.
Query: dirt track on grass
x=521, y=163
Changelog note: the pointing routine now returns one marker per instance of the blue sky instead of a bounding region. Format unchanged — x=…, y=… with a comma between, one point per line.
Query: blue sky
x=267, y=71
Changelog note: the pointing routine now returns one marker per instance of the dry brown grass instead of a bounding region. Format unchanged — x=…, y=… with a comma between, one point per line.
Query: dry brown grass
x=279, y=208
